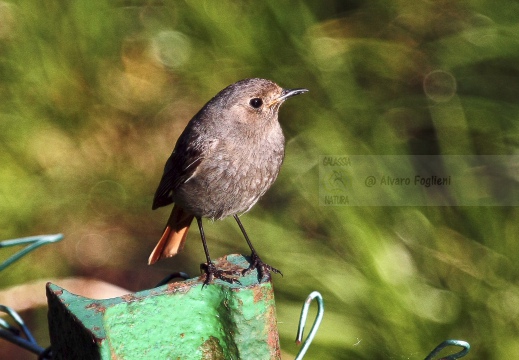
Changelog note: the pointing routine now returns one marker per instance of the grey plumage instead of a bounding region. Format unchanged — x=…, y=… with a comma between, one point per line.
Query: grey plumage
x=227, y=157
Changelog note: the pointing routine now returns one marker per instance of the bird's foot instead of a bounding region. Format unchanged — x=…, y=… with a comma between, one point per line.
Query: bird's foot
x=263, y=268
x=212, y=273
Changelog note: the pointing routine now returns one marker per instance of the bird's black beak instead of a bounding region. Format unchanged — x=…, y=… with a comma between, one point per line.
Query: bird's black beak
x=286, y=93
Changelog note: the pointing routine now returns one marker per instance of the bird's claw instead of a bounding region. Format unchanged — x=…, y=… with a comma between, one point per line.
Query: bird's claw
x=263, y=268
x=212, y=273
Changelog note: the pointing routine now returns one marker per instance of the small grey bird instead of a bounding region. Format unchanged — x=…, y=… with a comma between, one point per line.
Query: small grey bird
x=227, y=157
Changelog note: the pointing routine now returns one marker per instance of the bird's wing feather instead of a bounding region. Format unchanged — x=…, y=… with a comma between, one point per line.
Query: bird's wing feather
x=180, y=166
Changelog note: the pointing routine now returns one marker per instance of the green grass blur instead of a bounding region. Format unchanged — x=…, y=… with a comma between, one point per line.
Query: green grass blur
x=95, y=93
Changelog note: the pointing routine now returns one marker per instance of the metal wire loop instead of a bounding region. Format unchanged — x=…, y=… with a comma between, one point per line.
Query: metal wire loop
x=465, y=345
x=34, y=243
x=16, y=335
x=302, y=322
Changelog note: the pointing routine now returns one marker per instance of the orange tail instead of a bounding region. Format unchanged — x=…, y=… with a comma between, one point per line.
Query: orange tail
x=174, y=236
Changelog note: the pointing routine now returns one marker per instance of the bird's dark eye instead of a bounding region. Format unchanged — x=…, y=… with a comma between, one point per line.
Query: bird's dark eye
x=256, y=102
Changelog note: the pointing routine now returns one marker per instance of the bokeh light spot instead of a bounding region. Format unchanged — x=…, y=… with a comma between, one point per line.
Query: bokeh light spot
x=395, y=264
x=439, y=86
x=438, y=305
x=481, y=31
x=171, y=48
x=328, y=53
x=93, y=250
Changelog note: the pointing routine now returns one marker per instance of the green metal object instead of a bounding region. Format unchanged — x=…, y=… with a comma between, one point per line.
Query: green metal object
x=181, y=320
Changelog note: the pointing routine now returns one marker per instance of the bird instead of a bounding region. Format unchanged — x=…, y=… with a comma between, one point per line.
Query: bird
x=227, y=157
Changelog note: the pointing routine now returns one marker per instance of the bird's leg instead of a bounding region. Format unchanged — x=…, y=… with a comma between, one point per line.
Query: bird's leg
x=256, y=263
x=210, y=268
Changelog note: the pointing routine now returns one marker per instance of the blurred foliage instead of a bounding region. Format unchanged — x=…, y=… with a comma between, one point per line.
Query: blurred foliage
x=95, y=93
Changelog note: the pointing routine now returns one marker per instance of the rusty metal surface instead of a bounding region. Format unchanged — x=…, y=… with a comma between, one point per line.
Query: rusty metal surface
x=179, y=320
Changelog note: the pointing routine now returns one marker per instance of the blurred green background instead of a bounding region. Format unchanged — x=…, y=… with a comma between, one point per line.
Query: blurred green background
x=95, y=93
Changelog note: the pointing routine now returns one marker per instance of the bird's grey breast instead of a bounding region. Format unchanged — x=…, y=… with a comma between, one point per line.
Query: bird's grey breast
x=235, y=172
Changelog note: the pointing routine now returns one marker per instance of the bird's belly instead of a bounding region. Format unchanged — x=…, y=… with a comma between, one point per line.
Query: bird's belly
x=223, y=186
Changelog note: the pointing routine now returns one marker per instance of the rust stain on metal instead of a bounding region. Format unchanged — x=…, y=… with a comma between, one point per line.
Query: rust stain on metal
x=129, y=297
x=266, y=294
x=273, y=335
x=178, y=287
x=97, y=307
x=211, y=349
x=258, y=294
x=263, y=294
x=232, y=270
